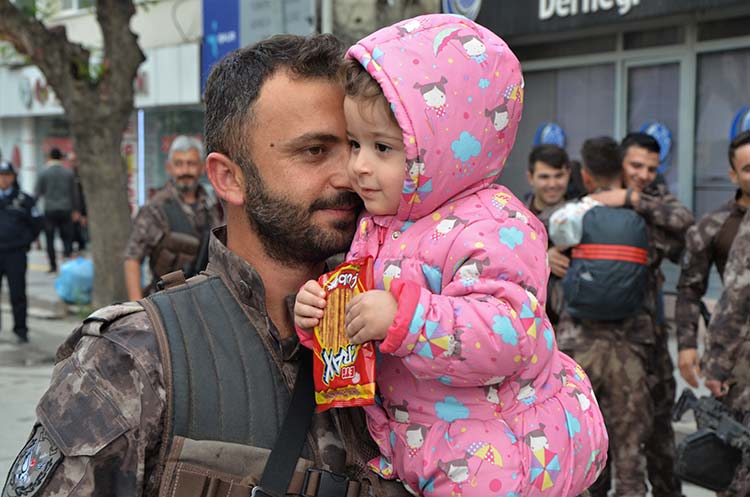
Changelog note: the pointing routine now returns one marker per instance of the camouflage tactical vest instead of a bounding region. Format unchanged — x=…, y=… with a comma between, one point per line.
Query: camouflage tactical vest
x=178, y=248
x=226, y=396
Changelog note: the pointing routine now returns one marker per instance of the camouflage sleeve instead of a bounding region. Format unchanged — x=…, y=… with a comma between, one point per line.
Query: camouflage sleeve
x=146, y=232
x=668, y=220
x=98, y=426
x=663, y=210
x=729, y=325
x=692, y=285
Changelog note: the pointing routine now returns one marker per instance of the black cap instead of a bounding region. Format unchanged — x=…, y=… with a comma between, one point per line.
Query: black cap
x=6, y=168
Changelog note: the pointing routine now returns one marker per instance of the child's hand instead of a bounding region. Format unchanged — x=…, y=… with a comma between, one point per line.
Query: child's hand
x=309, y=305
x=369, y=315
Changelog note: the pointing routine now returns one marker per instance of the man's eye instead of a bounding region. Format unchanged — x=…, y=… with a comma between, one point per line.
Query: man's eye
x=381, y=147
x=315, y=150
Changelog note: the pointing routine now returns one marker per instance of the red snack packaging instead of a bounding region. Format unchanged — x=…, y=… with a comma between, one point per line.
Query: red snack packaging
x=344, y=373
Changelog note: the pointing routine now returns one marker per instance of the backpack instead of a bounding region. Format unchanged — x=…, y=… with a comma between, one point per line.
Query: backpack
x=608, y=271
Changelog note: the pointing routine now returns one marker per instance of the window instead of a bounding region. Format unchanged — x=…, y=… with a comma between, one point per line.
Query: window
x=654, y=37
x=579, y=99
x=73, y=5
x=722, y=91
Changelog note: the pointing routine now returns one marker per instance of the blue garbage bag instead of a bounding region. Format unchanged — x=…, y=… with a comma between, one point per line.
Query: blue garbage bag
x=75, y=282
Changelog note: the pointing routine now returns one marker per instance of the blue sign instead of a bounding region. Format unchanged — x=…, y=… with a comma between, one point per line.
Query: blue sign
x=550, y=133
x=661, y=133
x=466, y=8
x=740, y=123
x=221, y=33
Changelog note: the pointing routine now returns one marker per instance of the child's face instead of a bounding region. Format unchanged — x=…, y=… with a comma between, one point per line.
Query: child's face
x=377, y=165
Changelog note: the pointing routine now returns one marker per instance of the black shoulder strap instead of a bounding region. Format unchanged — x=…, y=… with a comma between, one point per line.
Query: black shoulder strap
x=177, y=219
x=283, y=458
x=224, y=384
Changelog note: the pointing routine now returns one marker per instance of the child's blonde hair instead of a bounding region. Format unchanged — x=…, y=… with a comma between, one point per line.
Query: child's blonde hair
x=360, y=85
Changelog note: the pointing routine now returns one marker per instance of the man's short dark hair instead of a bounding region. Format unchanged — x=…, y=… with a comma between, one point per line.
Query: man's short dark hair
x=552, y=155
x=643, y=140
x=55, y=154
x=737, y=142
x=236, y=80
x=601, y=157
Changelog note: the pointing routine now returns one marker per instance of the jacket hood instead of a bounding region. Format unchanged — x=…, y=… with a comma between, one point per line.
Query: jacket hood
x=457, y=92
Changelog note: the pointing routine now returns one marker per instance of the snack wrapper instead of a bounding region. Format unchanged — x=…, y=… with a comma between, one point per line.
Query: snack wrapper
x=344, y=373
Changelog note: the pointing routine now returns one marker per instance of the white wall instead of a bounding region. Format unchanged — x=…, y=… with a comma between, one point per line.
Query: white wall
x=168, y=22
x=170, y=76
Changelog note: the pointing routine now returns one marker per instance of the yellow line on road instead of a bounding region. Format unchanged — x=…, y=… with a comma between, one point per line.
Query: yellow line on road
x=39, y=267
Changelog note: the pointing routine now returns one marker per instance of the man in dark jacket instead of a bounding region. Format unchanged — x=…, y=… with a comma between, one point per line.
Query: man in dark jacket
x=19, y=226
x=56, y=184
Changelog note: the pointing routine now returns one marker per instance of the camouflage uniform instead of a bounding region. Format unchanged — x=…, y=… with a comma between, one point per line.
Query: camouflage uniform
x=100, y=422
x=555, y=301
x=707, y=243
x=727, y=356
x=150, y=224
x=629, y=366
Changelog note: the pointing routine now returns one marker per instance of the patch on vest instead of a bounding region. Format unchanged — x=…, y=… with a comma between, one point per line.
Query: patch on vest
x=33, y=466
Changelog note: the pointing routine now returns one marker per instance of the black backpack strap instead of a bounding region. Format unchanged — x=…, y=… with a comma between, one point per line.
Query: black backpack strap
x=283, y=458
x=219, y=367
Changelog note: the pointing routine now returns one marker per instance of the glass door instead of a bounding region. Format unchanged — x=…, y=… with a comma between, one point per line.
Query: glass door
x=653, y=104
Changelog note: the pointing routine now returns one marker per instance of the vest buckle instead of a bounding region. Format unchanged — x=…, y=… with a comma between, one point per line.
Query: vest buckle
x=257, y=491
x=323, y=483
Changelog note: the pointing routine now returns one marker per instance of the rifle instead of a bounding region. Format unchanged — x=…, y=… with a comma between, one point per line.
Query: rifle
x=709, y=457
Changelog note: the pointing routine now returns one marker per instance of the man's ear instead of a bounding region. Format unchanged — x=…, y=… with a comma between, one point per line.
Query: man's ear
x=733, y=176
x=588, y=181
x=226, y=177
x=530, y=178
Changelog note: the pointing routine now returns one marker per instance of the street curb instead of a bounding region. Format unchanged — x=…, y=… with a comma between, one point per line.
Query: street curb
x=40, y=308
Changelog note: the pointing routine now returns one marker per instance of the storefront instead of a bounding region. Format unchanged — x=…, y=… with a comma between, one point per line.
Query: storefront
x=167, y=103
x=677, y=68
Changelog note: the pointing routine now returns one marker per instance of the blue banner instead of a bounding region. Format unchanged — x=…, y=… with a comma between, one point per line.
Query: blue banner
x=221, y=33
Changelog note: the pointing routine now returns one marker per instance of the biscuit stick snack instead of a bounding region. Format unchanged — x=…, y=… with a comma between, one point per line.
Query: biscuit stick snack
x=344, y=373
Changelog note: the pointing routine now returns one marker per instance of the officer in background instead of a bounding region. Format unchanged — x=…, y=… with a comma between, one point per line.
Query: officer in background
x=107, y=425
x=174, y=225
x=19, y=226
x=548, y=175
x=726, y=362
x=708, y=243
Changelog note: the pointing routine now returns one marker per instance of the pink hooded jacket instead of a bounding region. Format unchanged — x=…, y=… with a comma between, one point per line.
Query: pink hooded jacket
x=475, y=397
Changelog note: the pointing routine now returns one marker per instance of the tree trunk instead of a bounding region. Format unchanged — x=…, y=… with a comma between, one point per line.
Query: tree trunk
x=98, y=102
x=104, y=178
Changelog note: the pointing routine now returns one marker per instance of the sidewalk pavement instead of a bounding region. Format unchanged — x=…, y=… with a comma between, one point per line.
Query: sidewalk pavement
x=42, y=299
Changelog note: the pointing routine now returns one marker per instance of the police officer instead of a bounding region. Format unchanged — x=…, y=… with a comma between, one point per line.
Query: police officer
x=726, y=362
x=548, y=175
x=171, y=227
x=19, y=226
x=707, y=244
x=107, y=425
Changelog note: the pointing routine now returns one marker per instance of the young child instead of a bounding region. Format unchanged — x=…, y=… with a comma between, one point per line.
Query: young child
x=474, y=396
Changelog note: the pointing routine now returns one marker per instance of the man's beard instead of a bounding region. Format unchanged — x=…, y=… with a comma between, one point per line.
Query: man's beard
x=183, y=188
x=286, y=229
